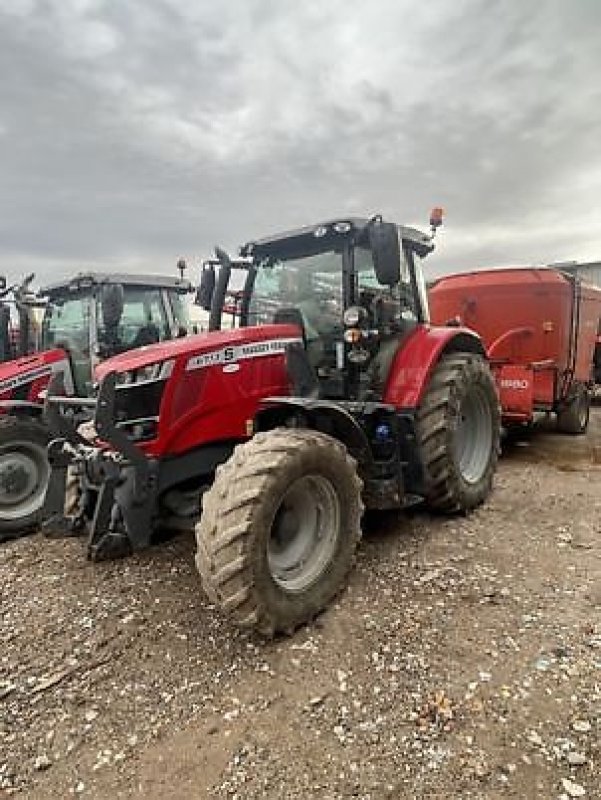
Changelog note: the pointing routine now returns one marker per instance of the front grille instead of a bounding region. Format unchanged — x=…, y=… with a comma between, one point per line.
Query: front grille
x=137, y=408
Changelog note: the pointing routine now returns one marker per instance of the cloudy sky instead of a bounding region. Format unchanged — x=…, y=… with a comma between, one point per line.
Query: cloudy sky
x=135, y=132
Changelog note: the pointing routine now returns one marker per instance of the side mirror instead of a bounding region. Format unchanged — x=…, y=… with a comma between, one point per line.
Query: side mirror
x=204, y=295
x=386, y=252
x=2, y=282
x=111, y=304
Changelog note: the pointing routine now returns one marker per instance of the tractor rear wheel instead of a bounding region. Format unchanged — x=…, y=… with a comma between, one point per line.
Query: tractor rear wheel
x=574, y=417
x=279, y=529
x=458, y=431
x=24, y=474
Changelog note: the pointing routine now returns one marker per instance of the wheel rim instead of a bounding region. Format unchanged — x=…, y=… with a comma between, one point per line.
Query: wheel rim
x=474, y=436
x=304, y=533
x=24, y=473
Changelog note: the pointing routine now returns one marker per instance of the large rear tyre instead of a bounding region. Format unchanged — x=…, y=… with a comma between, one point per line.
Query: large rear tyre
x=574, y=417
x=279, y=529
x=458, y=430
x=24, y=474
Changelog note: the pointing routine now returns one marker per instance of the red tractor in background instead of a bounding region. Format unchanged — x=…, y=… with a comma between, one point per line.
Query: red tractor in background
x=333, y=393
x=82, y=321
x=539, y=327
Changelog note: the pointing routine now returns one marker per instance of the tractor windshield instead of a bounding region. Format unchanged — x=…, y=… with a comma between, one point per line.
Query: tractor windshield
x=311, y=286
x=67, y=324
x=143, y=320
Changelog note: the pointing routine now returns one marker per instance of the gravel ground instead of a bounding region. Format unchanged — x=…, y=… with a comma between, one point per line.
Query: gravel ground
x=463, y=662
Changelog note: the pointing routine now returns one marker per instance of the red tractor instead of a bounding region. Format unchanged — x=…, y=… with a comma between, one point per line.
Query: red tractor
x=333, y=394
x=82, y=321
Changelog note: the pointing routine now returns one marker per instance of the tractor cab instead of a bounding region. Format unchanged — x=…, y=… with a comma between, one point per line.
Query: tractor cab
x=354, y=287
x=95, y=316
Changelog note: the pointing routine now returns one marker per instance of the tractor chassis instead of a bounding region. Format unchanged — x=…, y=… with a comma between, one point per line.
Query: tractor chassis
x=126, y=484
x=123, y=482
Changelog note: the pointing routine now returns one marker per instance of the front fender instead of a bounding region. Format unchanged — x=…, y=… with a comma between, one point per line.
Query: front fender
x=417, y=357
x=321, y=415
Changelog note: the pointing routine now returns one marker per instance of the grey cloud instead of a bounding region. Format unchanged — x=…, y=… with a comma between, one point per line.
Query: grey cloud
x=133, y=132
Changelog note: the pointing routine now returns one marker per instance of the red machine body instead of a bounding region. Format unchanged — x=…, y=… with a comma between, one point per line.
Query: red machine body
x=418, y=356
x=228, y=373
x=231, y=373
x=539, y=328
x=22, y=379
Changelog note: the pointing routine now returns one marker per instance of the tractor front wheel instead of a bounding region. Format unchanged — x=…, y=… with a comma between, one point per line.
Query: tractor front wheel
x=458, y=430
x=279, y=529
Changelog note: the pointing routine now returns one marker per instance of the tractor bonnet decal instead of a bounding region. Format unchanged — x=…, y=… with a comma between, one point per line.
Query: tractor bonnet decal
x=35, y=374
x=25, y=377
x=241, y=352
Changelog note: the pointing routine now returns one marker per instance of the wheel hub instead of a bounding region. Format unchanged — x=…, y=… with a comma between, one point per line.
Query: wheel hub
x=17, y=477
x=474, y=436
x=23, y=477
x=304, y=533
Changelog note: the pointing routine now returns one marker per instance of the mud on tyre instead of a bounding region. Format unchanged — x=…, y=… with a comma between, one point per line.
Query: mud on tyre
x=279, y=529
x=458, y=431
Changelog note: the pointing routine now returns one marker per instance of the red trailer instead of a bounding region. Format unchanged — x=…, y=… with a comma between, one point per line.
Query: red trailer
x=539, y=327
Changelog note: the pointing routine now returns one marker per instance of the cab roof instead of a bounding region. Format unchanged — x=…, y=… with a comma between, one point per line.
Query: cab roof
x=87, y=280
x=313, y=239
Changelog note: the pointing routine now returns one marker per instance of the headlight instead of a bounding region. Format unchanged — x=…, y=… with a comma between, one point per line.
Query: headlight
x=353, y=316
x=146, y=374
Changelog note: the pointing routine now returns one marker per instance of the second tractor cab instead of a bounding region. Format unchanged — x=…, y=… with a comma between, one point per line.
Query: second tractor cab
x=84, y=320
x=334, y=393
x=95, y=316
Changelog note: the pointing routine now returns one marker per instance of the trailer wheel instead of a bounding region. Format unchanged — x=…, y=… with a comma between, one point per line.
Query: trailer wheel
x=574, y=418
x=24, y=474
x=458, y=431
x=279, y=529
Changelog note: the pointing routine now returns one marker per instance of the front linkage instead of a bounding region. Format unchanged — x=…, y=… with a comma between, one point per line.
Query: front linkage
x=114, y=473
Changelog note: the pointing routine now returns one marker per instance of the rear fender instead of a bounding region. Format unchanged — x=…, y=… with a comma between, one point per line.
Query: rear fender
x=418, y=356
x=320, y=415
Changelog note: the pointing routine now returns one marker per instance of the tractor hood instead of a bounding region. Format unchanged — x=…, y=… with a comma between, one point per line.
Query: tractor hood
x=191, y=346
x=29, y=369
